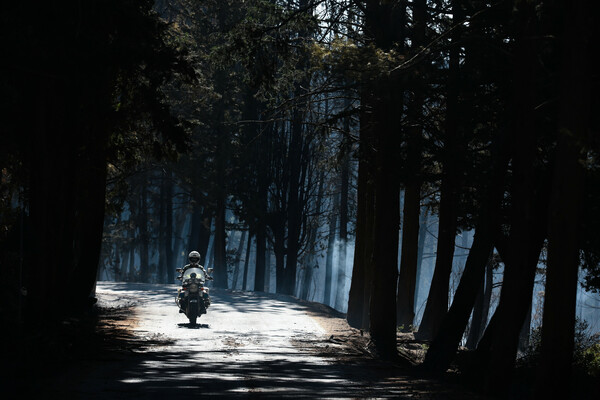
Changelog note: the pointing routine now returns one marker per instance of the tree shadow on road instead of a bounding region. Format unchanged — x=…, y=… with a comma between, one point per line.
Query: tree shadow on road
x=157, y=375
x=125, y=366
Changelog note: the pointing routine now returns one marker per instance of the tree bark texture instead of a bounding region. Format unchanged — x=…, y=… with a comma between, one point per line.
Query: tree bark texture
x=407, y=280
x=565, y=207
x=162, y=262
x=446, y=341
x=412, y=194
x=263, y=165
x=144, y=233
x=220, y=241
x=343, y=231
x=168, y=235
x=423, y=220
x=384, y=23
x=386, y=230
x=480, y=309
x=238, y=259
x=261, y=240
x=345, y=178
x=333, y=217
x=247, y=263
x=294, y=210
x=359, y=297
x=527, y=216
x=310, y=257
x=437, y=300
x=89, y=221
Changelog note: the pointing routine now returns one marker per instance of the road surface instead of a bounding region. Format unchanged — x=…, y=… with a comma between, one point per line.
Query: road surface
x=248, y=345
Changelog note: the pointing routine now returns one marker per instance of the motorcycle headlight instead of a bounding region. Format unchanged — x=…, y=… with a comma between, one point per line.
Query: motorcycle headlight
x=193, y=288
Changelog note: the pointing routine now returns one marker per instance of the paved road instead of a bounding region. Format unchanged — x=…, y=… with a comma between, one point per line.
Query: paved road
x=249, y=345
x=241, y=347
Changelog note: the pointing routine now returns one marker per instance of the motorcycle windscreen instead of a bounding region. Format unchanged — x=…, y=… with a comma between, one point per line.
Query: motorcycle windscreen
x=198, y=271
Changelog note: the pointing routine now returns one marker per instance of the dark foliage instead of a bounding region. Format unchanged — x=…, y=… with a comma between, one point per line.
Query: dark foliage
x=82, y=89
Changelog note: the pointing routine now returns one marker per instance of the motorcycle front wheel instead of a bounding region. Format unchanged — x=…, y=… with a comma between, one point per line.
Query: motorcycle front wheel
x=192, y=313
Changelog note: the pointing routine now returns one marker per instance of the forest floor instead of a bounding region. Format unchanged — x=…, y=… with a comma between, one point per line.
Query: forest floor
x=249, y=345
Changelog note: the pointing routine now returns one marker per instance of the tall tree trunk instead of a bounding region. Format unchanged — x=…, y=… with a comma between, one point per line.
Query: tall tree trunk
x=437, y=300
x=528, y=218
x=131, y=270
x=165, y=251
x=329, y=257
x=262, y=142
x=359, y=297
x=238, y=259
x=412, y=194
x=308, y=268
x=162, y=222
x=294, y=210
x=220, y=256
x=423, y=219
x=565, y=208
x=343, y=232
x=497, y=349
x=297, y=155
x=385, y=23
x=169, y=229
x=369, y=249
x=269, y=269
x=89, y=222
x=382, y=309
x=480, y=309
x=409, y=261
x=261, y=248
x=181, y=240
x=247, y=263
x=310, y=262
x=144, y=234
x=262, y=171
x=279, y=250
x=117, y=250
x=445, y=343
x=124, y=262
x=51, y=186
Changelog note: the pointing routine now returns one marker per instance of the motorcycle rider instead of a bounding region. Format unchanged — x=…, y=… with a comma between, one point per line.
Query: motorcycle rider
x=194, y=258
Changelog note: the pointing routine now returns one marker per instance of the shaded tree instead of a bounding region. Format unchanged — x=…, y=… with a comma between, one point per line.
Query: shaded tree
x=565, y=204
x=86, y=104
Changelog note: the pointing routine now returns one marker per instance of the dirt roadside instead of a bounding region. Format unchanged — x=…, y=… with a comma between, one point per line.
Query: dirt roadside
x=349, y=346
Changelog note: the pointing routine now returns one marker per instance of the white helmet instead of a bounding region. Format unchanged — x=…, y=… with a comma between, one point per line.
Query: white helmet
x=194, y=257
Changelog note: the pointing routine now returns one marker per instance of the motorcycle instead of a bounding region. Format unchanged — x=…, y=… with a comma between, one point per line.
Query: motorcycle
x=192, y=297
